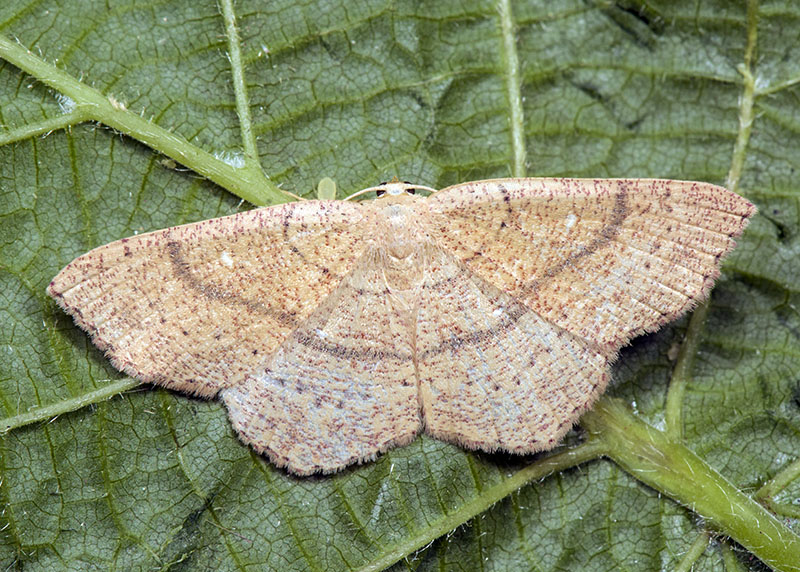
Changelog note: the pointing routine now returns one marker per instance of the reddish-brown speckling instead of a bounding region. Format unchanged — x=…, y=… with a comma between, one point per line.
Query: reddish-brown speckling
x=486, y=314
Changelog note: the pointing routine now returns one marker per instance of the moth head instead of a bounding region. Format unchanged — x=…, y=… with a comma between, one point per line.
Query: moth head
x=393, y=188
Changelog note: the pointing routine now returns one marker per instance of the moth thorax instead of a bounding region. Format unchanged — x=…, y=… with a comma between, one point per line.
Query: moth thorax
x=402, y=232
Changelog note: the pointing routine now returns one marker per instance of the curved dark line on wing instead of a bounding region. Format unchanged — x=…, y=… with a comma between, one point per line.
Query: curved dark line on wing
x=374, y=355
x=513, y=313
x=341, y=352
x=184, y=271
x=606, y=236
x=509, y=320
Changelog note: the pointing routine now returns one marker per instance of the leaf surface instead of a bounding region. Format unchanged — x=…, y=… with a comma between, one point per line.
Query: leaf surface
x=434, y=93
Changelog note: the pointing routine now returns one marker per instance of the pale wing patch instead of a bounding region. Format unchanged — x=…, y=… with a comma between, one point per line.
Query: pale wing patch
x=226, y=259
x=341, y=388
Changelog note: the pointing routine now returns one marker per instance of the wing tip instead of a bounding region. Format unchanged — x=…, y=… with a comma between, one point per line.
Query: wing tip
x=704, y=291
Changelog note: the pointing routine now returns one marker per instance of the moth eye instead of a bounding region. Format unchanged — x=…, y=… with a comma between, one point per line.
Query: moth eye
x=380, y=192
x=411, y=191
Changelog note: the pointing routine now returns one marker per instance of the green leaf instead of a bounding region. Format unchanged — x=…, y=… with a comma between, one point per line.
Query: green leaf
x=119, y=119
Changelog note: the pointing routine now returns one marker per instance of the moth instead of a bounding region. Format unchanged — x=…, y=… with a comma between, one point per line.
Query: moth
x=485, y=314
